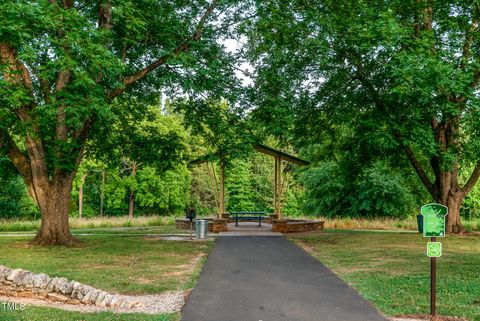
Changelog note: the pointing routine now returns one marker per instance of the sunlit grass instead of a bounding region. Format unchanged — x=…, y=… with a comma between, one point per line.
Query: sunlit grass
x=409, y=224
x=96, y=222
x=392, y=269
x=32, y=313
x=123, y=264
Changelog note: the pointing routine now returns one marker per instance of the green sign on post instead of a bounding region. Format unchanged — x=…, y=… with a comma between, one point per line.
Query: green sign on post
x=434, y=219
x=434, y=249
x=433, y=226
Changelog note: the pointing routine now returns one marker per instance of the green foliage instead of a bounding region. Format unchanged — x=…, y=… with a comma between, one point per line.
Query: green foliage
x=144, y=134
x=391, y=75
x=116, y=189
x=325, y=190
x=261, y=181
x=292, y=204
x=382, y=192
x=14, y=199
x=377, y=190
x=165, y=193
x=11, y=193
x=156, y=191
x=203, y=189
x=225, y=134
x=157, y=142
x=68, y=69
x=238, y=185
x=471, y=206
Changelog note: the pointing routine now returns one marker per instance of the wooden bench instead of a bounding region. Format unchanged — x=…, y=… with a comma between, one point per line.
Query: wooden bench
x=248, y=216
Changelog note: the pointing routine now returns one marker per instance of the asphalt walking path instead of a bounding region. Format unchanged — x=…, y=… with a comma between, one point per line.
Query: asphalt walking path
x=268, y=278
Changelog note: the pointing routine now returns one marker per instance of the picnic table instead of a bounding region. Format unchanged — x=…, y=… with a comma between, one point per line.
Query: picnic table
x=248, y=216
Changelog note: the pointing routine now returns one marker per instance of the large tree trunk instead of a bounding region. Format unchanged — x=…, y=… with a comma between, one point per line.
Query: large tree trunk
x=54, y=201
x=454, y=201
x=448, y=192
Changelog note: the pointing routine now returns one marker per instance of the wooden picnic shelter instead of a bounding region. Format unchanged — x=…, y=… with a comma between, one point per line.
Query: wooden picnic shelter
x=279, y=157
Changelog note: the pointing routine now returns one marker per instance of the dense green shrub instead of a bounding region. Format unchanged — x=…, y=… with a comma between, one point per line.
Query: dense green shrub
x=14, y=199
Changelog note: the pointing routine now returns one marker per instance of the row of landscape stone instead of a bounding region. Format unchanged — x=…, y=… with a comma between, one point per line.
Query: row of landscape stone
x=22, y=283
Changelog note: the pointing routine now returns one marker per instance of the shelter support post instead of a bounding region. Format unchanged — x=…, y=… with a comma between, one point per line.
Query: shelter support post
x=277, y=187
x=222, y=189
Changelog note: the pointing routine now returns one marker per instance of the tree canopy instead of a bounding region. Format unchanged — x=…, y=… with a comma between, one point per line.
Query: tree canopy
x=405, y=74
x=64, y=62
x=370, y=91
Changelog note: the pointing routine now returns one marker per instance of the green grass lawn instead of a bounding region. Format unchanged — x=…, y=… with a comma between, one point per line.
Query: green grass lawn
x=165, y=229
x=18, y=225
x=392, y=269
x=32, y=313
x=122, y=264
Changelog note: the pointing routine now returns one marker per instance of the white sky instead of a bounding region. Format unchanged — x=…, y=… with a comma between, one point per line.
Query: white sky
x=245, y=69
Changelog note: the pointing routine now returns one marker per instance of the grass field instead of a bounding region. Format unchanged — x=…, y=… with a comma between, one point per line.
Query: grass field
x=165, y=229
x=409, y=224
x=12, y=225
x=392, y=270
x=51, y=314
x=122, y=264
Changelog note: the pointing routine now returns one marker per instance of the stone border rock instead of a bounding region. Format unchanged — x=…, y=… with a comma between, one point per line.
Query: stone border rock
x=295, y=226
x=215, y=225
x=22, y=283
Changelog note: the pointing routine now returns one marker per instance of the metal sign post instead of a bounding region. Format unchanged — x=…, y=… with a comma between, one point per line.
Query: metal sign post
x=433, y=283
x=433, y=227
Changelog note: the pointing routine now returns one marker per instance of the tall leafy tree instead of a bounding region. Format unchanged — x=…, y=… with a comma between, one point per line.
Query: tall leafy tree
x=142, y=136
x=63, y=62
x=406, y=70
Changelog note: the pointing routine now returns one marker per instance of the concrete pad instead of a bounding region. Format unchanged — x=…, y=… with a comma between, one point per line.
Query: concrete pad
x=249, y=229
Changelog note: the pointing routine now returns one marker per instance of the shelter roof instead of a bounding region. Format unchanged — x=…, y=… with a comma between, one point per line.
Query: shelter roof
x=276, y=153
x=261, y=149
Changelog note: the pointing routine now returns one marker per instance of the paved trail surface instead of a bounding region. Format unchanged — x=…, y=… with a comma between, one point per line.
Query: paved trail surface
x=267, y=278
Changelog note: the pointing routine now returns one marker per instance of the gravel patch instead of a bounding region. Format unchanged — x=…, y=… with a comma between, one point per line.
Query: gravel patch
x=167, y=302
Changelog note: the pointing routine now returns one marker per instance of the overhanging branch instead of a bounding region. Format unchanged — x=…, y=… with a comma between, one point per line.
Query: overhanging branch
x=16, y=156
x=183, y=47
x=472, y=181
x=381, y=106
x=419, y=170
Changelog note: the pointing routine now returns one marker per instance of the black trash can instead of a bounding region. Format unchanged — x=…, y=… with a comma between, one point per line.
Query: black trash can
x=420, y=223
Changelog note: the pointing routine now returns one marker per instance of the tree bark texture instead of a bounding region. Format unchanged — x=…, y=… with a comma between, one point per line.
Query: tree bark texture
x=54, y=203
